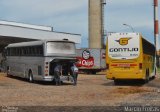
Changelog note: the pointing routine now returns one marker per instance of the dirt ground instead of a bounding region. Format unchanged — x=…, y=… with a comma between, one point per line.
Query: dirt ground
x=92, y=90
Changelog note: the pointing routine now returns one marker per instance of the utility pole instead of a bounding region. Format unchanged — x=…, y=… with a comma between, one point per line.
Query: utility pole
x=156, y=26
x=156, y=31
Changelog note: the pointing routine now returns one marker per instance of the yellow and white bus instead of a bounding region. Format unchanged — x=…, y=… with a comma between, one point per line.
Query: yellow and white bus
x=129, y=56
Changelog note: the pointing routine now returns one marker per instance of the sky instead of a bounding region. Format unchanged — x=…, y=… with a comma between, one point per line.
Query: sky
x=72, y=15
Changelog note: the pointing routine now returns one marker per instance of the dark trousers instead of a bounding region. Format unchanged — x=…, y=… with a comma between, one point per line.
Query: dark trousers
x=75, y=76
x=57, y=77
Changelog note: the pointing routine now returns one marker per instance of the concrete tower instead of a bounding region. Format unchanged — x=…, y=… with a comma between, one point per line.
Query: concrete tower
x=96, y=23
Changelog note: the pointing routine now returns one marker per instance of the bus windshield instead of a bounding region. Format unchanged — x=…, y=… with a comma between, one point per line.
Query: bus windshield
x=60, y=48
x=123, y=47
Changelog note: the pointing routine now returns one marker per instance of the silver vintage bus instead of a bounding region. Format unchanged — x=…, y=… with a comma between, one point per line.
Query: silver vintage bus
x=36, y=60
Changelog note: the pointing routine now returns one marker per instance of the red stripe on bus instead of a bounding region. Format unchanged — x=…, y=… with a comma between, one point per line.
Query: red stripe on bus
x=133, y=64
x=124, y=64
x=114, y=65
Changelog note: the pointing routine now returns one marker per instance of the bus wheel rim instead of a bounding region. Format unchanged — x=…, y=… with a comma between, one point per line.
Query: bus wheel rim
x=30, y=77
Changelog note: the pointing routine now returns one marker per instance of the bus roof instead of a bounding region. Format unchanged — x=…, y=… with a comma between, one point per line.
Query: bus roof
x=124, y=33
x=35, y=43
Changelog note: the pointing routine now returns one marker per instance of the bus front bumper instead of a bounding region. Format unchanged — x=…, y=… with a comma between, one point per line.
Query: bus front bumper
x=62, y=78
x=48, y=78
x=124, y=75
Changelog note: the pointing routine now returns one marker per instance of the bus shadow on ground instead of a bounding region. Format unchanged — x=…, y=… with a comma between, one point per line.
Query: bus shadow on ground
x=125, y=83
x=39, y=82
x=98, y=74
x=154, y=83
x=52, y=83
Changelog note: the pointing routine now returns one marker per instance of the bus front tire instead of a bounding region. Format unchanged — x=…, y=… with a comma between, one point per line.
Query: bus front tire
x=31, y=77
x=8, y=75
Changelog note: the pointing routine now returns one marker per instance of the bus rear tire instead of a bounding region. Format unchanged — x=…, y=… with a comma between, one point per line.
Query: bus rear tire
x=116, y=81
x=93, y=72
x=31, y=77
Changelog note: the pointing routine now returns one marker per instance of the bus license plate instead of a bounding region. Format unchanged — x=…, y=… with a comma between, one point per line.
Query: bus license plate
x=124, y=65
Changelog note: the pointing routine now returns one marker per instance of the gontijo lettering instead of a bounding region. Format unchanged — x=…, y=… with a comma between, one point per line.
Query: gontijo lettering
x=123, y=49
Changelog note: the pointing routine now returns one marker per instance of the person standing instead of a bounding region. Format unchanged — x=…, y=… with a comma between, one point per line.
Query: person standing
x=74, y=72
x=57, y=74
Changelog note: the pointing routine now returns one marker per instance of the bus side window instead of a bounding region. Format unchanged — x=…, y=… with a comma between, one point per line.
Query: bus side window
x=39, y=50
x=30, y=51
x=23, y=51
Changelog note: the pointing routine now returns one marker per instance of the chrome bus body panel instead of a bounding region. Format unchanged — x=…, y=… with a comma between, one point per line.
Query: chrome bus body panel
x=21, y=66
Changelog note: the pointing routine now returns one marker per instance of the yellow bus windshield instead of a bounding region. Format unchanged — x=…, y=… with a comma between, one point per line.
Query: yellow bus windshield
x=124, y=47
